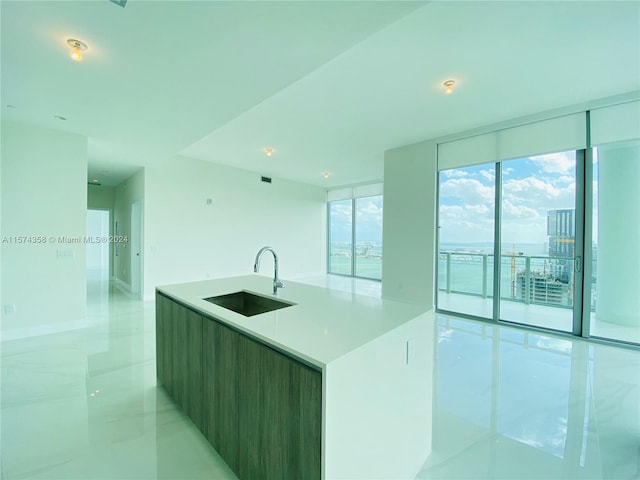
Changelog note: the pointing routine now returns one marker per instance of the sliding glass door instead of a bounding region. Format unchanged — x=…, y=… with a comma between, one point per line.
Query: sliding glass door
x=538, y=240
x=528, y=255
x=549, y=240
x=465, y=259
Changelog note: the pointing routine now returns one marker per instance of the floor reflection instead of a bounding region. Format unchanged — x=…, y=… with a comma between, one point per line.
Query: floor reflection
x=516, y=404
x=507, y=403
x=84, y=404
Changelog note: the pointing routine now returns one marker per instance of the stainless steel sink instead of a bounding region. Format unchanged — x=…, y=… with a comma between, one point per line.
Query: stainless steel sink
x=247, y=303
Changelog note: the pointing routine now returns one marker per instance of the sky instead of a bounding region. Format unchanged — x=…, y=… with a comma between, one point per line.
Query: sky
x=368, y=220
x=530, y=187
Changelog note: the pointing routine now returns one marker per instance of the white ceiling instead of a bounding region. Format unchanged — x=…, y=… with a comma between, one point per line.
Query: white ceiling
x=328, y=85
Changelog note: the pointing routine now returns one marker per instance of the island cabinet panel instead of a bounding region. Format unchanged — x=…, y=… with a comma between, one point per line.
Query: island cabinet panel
x=306, y=419
x=179, y=355
x=179, y=358
x=193, y=401
x=220, y=390
x=261, y=410
x=280, y=404
x=164, y=343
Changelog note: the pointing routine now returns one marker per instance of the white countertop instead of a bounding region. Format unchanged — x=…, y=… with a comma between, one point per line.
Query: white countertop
x=323, y=325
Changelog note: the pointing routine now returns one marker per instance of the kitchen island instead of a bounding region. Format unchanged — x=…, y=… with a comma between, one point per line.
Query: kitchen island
x=334, y=385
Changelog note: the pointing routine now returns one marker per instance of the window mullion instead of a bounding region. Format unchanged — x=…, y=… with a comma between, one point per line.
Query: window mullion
x=497, y=241
x=353, y=237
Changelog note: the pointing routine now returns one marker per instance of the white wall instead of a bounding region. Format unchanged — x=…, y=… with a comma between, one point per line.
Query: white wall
x=101, y=197
x=185, y=239
x=44, y=178
x=409, y=223
x=128, y=192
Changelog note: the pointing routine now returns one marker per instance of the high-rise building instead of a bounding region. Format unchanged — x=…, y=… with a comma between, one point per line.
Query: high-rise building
x=561, y=228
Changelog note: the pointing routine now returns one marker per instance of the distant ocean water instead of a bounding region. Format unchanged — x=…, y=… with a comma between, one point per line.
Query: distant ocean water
x=529, y=249
x=468, y=271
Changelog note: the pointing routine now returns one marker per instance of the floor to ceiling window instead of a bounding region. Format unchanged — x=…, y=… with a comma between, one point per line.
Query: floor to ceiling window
x=355, y=232
x=368, y=237
x=341, y=236
x=538, y=235
x=465, y=260
x=557, y=234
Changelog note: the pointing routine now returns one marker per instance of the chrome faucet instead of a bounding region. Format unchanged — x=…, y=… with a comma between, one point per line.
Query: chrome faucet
x=256, y=266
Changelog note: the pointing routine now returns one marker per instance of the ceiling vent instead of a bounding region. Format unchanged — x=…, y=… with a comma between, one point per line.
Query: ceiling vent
x=266, y=179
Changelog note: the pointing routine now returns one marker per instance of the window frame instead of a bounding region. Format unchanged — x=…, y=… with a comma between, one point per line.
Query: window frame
x=353, y=199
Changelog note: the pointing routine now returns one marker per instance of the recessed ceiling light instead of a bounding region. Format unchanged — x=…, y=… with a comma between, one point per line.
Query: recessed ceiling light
x=448, y=86
x=325, y=174
x=268, y=151
x=77, y=47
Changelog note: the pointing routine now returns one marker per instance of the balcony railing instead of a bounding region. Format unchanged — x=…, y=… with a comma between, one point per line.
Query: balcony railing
x=540, y=280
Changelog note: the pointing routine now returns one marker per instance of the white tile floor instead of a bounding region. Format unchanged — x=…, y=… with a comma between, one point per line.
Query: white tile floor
x=507, y=404
x=515, y=404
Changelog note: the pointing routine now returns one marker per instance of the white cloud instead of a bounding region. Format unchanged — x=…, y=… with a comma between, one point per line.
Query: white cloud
x=489, y=174
x=480, y=209
x=463, y=212
x=370, y=212
x=538, y=194
x=529, y=185
x=563, y=162
x=466, y=223
x=340, y=210
x=455, y=173
x=565, y=179
x=467, y=190
x=467, y=203
x=511, y=211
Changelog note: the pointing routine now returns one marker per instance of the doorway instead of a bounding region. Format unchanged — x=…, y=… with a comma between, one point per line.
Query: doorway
x=97, y=250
